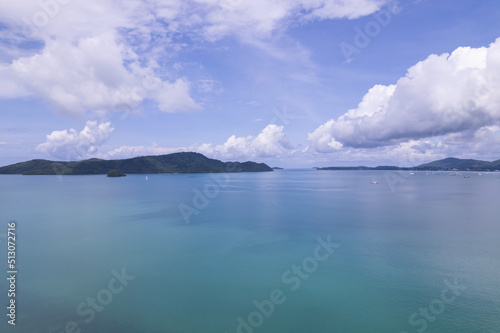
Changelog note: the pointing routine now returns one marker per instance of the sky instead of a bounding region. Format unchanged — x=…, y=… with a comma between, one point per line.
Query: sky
x=291, y=83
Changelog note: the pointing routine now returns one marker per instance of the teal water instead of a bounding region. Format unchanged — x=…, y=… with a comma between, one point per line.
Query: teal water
x=397, y=245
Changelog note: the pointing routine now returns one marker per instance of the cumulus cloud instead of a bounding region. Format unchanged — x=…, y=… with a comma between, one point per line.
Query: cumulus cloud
x=271, y=142
x=89, y=60
x=90, y=75
x=124, y=152
x=481, y=144
x=446, y=95
x=73, y=145
x=77, y=77
x=174, y=97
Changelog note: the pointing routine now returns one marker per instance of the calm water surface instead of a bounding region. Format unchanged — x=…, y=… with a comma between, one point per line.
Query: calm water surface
x=418, y=253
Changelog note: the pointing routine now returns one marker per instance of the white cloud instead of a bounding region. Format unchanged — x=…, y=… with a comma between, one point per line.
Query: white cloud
x=124, y=152
x=78, y=77
x=271, y=142
x=335, y=9
x=481, y=144
x=73, y=145
x=439, y=97
x=91, y=75
x=250, y=19
x=101, y=55
x=212, y=19
x=174, y=97
x=322, y=139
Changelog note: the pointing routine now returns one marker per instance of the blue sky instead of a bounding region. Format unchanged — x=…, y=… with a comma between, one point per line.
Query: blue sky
x=296, y=83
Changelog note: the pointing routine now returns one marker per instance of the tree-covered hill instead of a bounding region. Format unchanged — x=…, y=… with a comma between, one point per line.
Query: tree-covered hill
x=186, y=162
x=446, y=164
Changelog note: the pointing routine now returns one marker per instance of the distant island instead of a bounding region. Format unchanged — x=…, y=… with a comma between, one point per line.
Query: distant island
x=185, y=162
x=277, y=168
x=447, y=164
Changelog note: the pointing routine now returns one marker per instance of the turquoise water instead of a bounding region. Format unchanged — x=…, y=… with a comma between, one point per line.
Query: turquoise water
x=398, y=249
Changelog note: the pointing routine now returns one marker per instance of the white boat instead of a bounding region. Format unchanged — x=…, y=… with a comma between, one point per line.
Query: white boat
x=146, y=177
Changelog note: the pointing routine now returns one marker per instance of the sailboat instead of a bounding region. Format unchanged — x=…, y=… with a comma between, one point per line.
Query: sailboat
x=146, y=177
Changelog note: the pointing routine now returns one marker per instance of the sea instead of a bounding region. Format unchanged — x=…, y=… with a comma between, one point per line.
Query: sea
x=289, y=251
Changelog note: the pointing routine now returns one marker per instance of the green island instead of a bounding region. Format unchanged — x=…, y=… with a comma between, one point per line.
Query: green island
x=447, y=164
x=185, y=162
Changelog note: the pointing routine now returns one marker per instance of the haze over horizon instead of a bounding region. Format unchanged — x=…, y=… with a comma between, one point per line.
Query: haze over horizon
x=289, y=83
